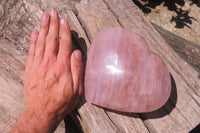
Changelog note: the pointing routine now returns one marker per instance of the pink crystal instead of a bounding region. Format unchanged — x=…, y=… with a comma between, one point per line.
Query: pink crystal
x=124, y=75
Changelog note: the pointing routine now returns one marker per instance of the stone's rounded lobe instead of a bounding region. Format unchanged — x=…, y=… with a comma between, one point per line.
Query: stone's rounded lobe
x=124, y=75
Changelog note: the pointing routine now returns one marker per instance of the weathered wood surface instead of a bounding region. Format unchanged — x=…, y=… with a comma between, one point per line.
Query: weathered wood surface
x=18, y=18
x=189, y=51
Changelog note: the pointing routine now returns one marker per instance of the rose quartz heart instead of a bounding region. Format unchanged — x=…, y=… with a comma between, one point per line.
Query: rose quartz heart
x=124, y=75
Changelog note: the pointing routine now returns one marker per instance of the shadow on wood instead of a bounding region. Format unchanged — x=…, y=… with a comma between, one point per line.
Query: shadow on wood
x=167, y=108
x=197, y=2
x=187, y=50
x=196, y=129
x=79, y=43
x=72, y=124
x=182, y=17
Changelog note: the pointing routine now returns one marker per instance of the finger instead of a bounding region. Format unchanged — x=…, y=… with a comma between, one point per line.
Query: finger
x=77, y=71
x=33, y=41
x=65, y=47
x=53, y=35
x=44, y=28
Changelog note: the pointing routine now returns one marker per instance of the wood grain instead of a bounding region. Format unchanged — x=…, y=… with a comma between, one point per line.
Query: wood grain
x=18, y=18
x=187, y=50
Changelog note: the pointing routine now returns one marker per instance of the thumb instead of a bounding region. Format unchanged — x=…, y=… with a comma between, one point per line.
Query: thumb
x=77, y=71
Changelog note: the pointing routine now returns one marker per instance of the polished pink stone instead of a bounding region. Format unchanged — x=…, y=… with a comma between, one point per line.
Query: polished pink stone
x=124, y=75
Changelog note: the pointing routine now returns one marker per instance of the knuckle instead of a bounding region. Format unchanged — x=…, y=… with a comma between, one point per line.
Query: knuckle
x=45, y=63
x=53, y=37
x=40, y=43
x=65, y=40
x=31, y=53
x=61, y=68
x=77, y=66
x=42, y=70
x=44, y=24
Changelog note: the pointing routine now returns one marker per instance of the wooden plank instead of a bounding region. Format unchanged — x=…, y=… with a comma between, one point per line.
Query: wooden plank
x=78, y=34
x=187, y=50
x=129, y=16
x=97, y=15
x=76, y=26
x=11, y=92
x=18, y=22
x=8, y=100
x=127, y=123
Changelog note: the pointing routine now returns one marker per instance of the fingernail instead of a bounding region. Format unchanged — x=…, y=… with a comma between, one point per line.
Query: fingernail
x=45, y=17
x=62, y=21
x=53, y=13
x=78, y=55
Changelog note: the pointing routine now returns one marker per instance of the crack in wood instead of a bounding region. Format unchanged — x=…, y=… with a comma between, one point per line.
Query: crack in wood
x=11, y=74
x=119, y=129
x=149, y=128
x=16, y=44
x=85, y=31
x=113, y=13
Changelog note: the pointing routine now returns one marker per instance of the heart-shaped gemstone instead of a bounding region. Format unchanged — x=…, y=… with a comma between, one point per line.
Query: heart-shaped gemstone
x=124, y=75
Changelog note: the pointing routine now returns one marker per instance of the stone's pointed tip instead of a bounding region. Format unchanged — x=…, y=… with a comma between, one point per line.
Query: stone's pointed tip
x=122, y=74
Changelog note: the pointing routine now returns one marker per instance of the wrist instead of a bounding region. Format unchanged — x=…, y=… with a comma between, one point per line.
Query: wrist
x=44, y=122
x=35, y=122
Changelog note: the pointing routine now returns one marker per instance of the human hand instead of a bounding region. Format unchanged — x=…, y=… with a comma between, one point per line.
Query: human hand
x=53, y=75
